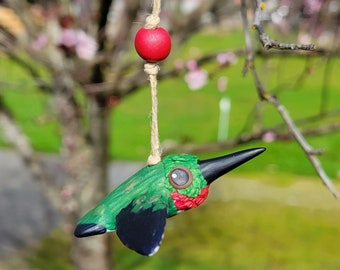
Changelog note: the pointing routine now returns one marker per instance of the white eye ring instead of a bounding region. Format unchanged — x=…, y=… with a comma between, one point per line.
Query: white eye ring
x=180, y=177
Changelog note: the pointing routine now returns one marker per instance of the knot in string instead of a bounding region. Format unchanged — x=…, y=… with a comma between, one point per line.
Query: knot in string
x=153, y=160
x=152, y=21
x=151, y=69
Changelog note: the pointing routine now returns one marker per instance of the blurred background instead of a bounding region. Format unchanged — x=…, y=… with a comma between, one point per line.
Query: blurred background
x=75, y=122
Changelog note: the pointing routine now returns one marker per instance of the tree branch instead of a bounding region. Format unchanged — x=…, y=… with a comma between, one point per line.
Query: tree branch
x=310, y=152
x=244, y=138
x=264, y=95
x=269, y=43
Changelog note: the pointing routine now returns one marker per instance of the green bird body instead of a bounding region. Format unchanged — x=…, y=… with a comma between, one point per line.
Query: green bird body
x=137, y=208
x=148, y=188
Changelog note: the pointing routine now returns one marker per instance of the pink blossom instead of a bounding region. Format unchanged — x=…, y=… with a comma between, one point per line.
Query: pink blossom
x=192, y=65
x=40, y=42
x=222, y=83
x=68, y=38
x=226, y=58
x=196, y=79
x=86, y=46
x=269, y=136
x=312, y=7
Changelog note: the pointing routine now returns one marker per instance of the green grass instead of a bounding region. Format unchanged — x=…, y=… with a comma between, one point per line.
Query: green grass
x=29, y=107
x=187, y=116
x=36, y=119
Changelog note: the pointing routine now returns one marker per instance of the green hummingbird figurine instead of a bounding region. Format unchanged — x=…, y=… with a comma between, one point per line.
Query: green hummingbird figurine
x=137, y=209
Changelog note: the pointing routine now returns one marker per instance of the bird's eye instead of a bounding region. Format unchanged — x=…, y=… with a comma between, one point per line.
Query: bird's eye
x=180, y=177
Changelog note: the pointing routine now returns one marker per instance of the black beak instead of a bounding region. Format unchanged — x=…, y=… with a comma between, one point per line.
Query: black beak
x=214, y=168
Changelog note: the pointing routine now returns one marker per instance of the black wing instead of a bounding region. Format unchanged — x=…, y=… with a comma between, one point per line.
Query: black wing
x=141, y=230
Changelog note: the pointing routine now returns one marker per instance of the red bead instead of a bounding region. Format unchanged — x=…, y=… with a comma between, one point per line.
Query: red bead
x=153, y=45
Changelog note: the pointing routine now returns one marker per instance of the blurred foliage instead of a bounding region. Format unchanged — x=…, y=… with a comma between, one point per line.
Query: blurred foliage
x=188, y=116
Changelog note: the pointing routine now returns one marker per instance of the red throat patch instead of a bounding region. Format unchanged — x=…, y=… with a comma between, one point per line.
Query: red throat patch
x=183, y=202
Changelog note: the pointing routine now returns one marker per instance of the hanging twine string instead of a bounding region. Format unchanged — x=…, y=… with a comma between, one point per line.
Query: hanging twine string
x=155, y=156
x=151, y=69
x=153, y=19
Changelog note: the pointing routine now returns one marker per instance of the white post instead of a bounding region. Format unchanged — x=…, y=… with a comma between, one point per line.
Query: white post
x=223, y=124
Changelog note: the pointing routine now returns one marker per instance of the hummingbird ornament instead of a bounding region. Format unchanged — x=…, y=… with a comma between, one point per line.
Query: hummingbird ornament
x=137, y=209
